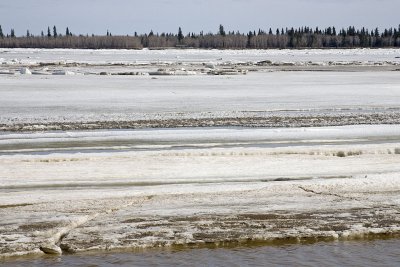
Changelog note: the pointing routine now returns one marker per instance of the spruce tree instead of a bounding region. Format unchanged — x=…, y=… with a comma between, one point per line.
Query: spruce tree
x=249, y=37
x=67, y=33
x=221, y=30
x=1, y=32
x=54, y=31
x=180, y=35
x=376, y=32
x=48, y=32
x=12, y=33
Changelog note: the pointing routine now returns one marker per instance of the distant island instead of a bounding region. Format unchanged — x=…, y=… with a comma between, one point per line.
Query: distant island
x=288, y=38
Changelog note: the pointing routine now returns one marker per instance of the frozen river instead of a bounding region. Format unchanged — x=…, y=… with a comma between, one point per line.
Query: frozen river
x=52, y=99
x=106, y=156
x=145, y=56
x=324, y=85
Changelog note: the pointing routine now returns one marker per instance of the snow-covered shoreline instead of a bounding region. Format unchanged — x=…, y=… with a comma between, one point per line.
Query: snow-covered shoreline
x=196, y=186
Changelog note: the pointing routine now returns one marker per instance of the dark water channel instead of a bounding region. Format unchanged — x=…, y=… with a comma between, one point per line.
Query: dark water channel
x=349, y=253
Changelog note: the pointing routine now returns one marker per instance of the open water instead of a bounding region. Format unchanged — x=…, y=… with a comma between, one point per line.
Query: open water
x=350, y=253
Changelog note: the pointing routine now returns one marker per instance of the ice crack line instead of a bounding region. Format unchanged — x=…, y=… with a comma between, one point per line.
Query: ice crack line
x=324, y=193
x=52, y=244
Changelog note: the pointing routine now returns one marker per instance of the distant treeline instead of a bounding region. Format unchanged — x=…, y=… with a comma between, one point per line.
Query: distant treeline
x=304, y=37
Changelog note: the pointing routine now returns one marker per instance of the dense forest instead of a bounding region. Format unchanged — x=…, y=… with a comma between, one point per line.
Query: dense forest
x=304, y=37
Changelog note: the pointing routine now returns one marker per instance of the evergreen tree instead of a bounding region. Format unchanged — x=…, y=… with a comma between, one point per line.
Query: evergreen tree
x=67, y=33
x=221, y=30
x=54, y=31
x=27, y=33
x=1, y=32
x=48, y=32
x=376, y=33
x=42, y=34
x=249, y=37
x=180, y=35
x=12, y=33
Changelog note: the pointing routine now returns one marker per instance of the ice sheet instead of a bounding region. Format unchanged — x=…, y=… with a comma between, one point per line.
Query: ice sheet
x=197, y=56
x=38, y=100
x=214, y=136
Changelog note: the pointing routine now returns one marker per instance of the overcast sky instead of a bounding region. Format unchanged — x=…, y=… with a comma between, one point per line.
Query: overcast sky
x=128, y=16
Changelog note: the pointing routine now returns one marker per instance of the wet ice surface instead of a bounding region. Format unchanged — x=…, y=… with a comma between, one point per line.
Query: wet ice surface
x=81, y=190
